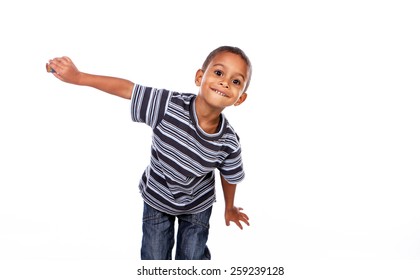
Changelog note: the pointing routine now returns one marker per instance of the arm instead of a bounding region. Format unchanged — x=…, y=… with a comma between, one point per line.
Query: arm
x=232, y=213
x=66, y=71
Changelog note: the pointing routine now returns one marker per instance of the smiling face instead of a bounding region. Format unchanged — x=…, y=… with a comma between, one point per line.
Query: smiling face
x=223, y=82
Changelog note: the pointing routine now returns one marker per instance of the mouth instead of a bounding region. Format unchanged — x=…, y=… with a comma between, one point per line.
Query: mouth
x=220, y=93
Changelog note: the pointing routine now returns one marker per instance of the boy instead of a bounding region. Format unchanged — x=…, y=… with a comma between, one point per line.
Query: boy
x=191, y=138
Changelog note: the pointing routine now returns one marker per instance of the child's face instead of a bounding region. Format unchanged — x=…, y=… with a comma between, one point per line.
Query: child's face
x=223, y=83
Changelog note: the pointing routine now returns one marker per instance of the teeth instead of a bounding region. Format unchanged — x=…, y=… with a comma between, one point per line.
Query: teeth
x=220, y=93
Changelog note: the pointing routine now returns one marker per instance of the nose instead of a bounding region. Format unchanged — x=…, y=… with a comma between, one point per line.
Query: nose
x=224, y=84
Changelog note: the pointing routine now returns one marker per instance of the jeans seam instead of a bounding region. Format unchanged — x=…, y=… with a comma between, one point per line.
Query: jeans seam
x=154, y=216
x=200, y=223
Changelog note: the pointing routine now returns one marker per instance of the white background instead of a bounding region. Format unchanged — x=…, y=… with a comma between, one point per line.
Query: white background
x=330, y=129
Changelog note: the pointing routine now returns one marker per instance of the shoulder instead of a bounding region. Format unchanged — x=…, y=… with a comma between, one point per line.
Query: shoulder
x=172, y=96
x=230, y=136
x=228, y=127
x=181, y=97
x=180, y=101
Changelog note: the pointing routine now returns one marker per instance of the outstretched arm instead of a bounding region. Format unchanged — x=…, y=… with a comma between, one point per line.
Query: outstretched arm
x=232, y=213
x=66, y=71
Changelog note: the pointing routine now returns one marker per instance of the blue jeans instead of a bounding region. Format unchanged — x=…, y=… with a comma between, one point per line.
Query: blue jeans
x=158, y=235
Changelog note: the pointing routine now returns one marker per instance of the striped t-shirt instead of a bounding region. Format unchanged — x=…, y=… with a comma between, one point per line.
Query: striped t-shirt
x=180, y=178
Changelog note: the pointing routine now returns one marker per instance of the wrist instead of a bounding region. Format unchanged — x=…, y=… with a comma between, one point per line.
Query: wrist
x=229, y=207
x=82, y=79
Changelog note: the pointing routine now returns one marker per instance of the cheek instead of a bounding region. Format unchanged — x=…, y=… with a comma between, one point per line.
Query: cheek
x=206, y=80
x=201, y=81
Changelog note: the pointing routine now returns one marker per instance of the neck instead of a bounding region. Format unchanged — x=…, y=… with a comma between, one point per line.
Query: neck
x=208, y=119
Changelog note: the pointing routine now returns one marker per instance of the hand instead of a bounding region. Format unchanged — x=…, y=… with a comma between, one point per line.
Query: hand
x=65, y=70
x=235, y=215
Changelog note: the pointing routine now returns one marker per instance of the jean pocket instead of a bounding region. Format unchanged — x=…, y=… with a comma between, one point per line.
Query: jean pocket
x=150, y=213
x=201, y=219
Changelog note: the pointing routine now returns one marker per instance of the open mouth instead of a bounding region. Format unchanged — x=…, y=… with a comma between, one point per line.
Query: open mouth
x=220, y=93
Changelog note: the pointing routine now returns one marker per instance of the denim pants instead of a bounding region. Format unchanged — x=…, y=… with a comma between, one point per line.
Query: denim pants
x=159, y=235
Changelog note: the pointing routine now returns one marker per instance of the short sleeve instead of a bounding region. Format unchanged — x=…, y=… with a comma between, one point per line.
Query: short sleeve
x=232, y=168
x=148, y=105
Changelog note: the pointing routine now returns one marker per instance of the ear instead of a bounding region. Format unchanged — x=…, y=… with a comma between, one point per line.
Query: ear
x=241, y=99
x=198, y=76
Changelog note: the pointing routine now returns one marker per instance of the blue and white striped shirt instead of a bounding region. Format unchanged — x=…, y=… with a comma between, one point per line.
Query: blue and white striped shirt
x=180, y=178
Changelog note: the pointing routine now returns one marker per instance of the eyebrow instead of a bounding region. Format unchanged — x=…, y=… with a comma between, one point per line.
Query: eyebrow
x=220, y=64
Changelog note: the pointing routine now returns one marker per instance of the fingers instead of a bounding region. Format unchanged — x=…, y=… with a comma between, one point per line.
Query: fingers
x=59, y=64
x=56, y=65
x=239, y=224
x=237, y=217
x=67, y=59
x=63, y=59
x=244, y=218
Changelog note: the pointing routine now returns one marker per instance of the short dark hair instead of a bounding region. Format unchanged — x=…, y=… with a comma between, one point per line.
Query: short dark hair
x=230, y=49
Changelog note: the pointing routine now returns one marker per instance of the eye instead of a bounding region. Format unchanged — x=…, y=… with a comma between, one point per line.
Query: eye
x=236, y=82
x=218, y=72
